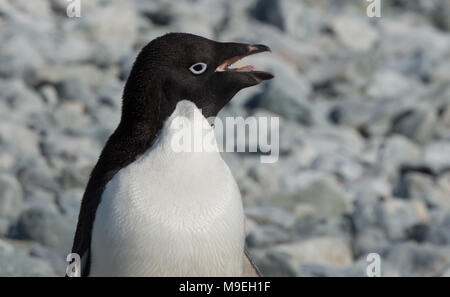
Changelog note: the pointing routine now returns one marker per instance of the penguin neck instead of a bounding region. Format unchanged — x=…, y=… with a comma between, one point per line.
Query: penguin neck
x=144, y=109
x=187, y=134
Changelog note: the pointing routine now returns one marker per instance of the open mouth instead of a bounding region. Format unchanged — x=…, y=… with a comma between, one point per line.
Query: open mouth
x=253, y=49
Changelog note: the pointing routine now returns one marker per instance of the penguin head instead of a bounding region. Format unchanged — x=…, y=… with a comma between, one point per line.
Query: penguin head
x=180, y=66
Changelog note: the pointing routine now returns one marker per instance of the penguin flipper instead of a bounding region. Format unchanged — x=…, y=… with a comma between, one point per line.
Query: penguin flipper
x=250, y=269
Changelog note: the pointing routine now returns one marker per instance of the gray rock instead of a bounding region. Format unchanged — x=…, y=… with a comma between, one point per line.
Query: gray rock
x=274, y=263
x=7, y=158
x=412, y=259
x=353, y=113
x=6, y=248
x=436, y=11
x=71, y=116
x=338, y=227
x=436, y=156
x=111, y=40
x=5, y=225
x=49, y=94
x=269, y=11
x=325, y=196
x=418, y=124
x=19, y=57
x=389, y=84
x=20, y=99
x=364, y=214
x=48, y=228
x=355, y=33
x=24, y=265
x=36, y=173
x=11, y=196
x=395, y=152
x=270, y=215
x=397, y=217
x=437, y=233
x=327, y=251
x=40, y=197
x=443, y=127
x=332, y=140
x=358, y=269
x=369, y=239
x=74, y=88
x=401, y=48
x=70, y=201
x=267, y=235
x=70, y=147
x=422, y=186
x=19, y=139
x=344, y=167
x=56, y=260
x=287, y=96
x=379, y=220
x=267, y=176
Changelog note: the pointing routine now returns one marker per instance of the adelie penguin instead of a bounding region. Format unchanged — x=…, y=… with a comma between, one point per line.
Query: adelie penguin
x=148, y=210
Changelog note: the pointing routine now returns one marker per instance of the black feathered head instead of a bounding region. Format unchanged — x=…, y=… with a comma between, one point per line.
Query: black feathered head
x=179, y=66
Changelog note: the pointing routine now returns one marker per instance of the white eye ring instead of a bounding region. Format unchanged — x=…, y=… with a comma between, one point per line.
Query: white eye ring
x=198, y=68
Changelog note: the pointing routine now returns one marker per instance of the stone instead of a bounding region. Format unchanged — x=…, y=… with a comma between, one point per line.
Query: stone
x=437, y=233
x=344, y=167
x=397, y=217
x=421, y=186
x=74, y=88
x=36, y=173
x=269, y=11
x=19, y=57
x=111, y=40
x=336, y=227
x=369, y=239
x=436, y=156
x=25, y=141
x=5, y=225
x=413, y=259
x=24, y=266
x=417, y=124
x=325, y=196
x=287, y=96
x=329, y=251
x=11, y=196
x=6, y=248
x=397, y=151
x=57, y=262
x=274, y=263
x=48, y=228
x=354, y=33
x=389, y=84
x=267, y=235
x=354, y=113
x=270, y=215
x=21, y=101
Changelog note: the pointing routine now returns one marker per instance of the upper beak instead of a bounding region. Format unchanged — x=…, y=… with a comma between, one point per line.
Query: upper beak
x=236, y=51
x=258, y=48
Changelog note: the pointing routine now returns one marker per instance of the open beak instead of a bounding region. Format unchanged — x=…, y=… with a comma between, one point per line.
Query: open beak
x=249, y=69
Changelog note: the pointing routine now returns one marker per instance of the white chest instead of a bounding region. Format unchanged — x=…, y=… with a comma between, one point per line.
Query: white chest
x=170, y=214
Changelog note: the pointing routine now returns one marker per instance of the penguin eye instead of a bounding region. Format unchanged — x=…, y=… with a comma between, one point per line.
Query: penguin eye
x=198, y=68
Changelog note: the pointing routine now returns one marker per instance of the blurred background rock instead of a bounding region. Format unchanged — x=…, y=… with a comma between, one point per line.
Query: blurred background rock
x=364, y=129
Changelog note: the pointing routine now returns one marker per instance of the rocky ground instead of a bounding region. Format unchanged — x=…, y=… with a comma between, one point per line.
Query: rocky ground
x=364, y=131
